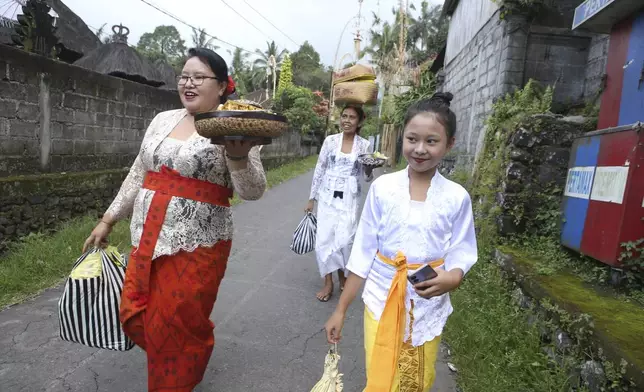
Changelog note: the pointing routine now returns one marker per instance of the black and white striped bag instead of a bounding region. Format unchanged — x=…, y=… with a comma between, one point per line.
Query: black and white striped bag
x=89, y=307
x=304, y=236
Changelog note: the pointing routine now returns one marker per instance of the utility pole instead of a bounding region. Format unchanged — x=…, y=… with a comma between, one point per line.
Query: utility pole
x=358, y=39
x=273, y=64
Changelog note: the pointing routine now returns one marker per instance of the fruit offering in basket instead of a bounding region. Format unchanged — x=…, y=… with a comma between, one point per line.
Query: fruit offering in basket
x=240, y=120
x=373, y=160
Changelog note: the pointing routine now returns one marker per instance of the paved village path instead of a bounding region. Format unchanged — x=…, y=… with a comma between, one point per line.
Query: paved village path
x=268, y=332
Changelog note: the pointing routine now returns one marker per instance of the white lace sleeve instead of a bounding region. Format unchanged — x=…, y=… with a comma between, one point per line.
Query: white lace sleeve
x=122, y=205
x=320, y=168
x=462, y=252
x=250, y=183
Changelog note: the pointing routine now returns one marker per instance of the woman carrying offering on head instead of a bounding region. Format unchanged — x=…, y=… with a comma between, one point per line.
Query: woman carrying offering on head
x=411, y=219
x=178, y=192
x=336, y=187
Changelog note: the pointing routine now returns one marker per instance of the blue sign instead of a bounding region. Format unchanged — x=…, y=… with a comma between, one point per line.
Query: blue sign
x=588, y=9
x=579, y=182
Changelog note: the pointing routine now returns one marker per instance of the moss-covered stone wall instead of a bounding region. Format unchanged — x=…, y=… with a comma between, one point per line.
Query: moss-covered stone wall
x=42, y=202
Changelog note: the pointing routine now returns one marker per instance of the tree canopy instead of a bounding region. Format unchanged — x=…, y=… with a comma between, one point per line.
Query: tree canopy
x=164, y=43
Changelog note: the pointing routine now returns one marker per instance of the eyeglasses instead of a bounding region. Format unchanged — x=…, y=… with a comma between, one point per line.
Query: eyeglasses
x=196, y=80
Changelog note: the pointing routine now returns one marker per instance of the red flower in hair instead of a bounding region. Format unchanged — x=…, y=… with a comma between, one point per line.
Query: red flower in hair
x=231, y=86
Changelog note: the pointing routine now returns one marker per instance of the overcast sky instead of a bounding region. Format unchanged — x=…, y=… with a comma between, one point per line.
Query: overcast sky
x=318, y=21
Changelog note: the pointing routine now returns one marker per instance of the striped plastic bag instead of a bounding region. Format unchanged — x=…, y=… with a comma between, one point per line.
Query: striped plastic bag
x=304, y=236
x=88, y=310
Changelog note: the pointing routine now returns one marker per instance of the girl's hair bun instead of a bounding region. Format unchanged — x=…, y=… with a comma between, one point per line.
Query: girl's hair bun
x=442, y=99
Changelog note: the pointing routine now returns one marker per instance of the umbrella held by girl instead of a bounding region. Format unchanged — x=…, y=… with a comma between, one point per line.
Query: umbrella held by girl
x=411, y=218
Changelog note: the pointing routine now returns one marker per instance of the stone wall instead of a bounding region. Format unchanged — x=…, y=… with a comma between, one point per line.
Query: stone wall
x=60, y=118
x=534, y=178
x=557, y=57
x=292, y=145
x=41, y=202
x=488, y=67
x=504, y=54
x=596, y=66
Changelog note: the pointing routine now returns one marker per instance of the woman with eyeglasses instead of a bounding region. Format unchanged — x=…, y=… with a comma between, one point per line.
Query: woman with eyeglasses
x=178, y=193
x=337, y=189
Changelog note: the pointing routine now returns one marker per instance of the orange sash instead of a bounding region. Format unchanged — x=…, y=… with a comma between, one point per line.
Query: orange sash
x=391, y=326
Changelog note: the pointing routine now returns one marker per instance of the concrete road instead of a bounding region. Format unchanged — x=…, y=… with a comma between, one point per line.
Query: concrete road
x=268, y=332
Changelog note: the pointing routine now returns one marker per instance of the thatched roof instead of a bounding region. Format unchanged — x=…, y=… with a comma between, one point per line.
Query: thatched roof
x=166, y=74
x=120, y=60
x=6, y=29
x=260, y=97
x=74, y=35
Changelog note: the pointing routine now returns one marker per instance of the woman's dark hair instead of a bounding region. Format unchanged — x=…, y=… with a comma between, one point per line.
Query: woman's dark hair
x=216, y=63
x=359, y=110
x=438, y=104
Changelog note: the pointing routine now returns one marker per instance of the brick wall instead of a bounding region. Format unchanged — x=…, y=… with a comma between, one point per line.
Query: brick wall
x=489, y=66
x=505, y=54
x=596, y=65
x=558, y=57
x=55, y=117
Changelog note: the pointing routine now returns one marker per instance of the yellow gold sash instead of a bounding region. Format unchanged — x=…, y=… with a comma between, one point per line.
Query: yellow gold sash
x=391, y=326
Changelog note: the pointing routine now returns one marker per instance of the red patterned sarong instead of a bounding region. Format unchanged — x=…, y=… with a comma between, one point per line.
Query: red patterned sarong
x=166, y=302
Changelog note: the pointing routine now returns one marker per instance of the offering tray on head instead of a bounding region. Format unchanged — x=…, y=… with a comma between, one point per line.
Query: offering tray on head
x=373, y=160
x=240, y=120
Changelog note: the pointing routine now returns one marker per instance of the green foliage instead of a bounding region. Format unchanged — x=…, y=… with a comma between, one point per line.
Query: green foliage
x=507, y=114
x=525, y=102
x=428, y=32
x=263, y=60
x=163, y=43
x=241, y=73
x=370, y=126
x=306, y=59
x=297, y=104
x=632, y=258
x=493, y=346
x=425, y=89
x=200, y=39
x=308, y=71
x=524, y=7
x=286, y=75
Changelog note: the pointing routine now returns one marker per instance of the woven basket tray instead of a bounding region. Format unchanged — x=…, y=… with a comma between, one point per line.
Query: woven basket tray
x=356, y=72
x=370, y=160
x=240, y=123
x=355, y=92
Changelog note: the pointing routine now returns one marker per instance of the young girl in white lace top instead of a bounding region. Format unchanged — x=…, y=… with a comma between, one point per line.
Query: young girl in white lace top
x=411, y=218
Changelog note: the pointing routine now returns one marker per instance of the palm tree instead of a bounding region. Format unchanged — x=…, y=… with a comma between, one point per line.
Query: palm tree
x=200, y=39
x=428, y=33
x=263, y=56
x=384, y=44
x=383, y=49
x=240, y=71
x=239, y=62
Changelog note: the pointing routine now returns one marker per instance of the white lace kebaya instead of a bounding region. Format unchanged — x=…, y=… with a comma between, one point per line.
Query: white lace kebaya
x=188, y=224
x=440, y=227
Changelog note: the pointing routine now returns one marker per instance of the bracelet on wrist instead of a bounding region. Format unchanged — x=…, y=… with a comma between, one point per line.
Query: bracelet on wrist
x=107, y=223
x=236, y=159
